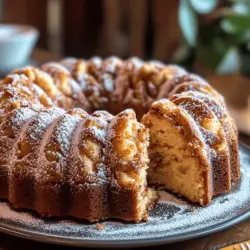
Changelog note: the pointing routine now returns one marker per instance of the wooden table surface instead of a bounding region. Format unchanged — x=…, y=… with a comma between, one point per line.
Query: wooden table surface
x=238, y=233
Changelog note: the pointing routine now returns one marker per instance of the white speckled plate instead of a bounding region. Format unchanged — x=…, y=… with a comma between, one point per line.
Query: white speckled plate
x=171, y=220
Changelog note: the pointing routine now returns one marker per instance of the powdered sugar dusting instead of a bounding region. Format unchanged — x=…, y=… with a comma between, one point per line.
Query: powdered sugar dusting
x=20, y=116
x=64, y=132
x=171, y=217
x=52, y=67
x=42, y=121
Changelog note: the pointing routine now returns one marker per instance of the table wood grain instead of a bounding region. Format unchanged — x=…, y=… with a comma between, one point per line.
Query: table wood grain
x=235, y=234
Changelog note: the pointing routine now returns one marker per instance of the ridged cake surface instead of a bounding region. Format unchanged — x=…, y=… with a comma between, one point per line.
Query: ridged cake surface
x=88, y=138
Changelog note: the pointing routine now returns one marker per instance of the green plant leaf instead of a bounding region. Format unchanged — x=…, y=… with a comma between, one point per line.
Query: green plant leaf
x=212, y=54
x=188, y=22
x=207, y=57
x=241, y=7
x=203, y=6
x=238, y=39
x=208, y=32
x=231, y=62
x=234, y=24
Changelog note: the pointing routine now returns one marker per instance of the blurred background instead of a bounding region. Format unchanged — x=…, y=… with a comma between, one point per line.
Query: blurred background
x=209, y=37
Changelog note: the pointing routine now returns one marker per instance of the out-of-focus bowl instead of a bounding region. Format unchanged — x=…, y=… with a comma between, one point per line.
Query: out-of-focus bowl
x=16, y=45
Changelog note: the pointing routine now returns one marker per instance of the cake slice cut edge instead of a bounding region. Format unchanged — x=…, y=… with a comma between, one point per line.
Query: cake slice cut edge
x=179, y=159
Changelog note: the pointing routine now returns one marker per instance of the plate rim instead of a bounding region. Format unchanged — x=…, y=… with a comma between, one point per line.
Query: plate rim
x=60, y=240
x=28, y=234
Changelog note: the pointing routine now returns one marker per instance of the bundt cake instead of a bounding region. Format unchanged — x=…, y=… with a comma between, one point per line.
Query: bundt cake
x=179, y=157
x=87, y=138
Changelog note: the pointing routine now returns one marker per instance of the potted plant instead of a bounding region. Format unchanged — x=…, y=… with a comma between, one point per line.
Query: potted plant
x=216, y=44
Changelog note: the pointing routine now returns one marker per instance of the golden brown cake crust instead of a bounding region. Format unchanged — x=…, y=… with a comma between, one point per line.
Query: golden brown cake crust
x=164, y=109
x=214, y=136
x=24, y=165
x=227, y=123
x=127, y=161
x=11, y=128
x=73, y=158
